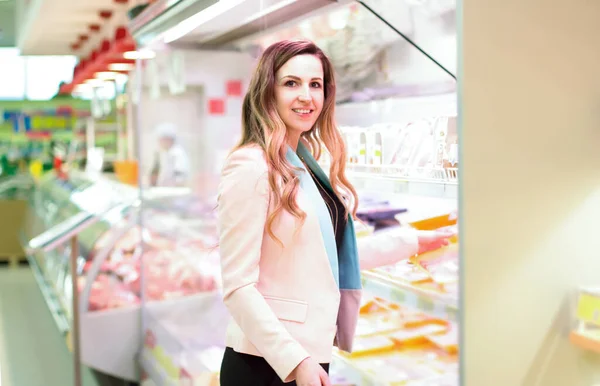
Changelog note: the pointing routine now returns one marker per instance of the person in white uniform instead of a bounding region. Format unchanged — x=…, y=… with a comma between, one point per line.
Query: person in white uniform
x=171, y=166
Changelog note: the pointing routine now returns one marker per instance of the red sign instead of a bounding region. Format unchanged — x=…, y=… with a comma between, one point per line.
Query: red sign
x=216, y=106
x=234, y=88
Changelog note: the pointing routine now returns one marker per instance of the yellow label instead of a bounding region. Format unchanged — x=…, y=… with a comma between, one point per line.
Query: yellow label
x=69, y=341
x=588, y=309
x=165, y=361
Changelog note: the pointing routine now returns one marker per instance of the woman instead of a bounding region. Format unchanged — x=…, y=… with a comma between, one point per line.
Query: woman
x=290, y=260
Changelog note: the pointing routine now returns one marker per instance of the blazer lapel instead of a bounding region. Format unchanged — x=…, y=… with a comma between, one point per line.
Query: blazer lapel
x=348, y=253
x=325, y=223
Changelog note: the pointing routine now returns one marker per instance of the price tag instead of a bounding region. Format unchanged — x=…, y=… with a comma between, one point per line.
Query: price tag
x=165, y=362
x=69, y=341
x=425, y=304
x=398, y=296
x=588, y=309
x=401, y=187
x=452, y=314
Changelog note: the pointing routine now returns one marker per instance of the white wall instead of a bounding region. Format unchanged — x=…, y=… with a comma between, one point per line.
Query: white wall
x=530, y=169
x=206, y=137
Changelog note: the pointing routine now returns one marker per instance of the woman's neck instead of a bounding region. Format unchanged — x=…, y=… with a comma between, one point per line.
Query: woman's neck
x=293, y=139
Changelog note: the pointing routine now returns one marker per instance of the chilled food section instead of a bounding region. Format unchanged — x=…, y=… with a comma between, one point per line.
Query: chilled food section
x=399, y=345
x=123, y=259
x=152, y=255
x=398, y=120
x=162, y=259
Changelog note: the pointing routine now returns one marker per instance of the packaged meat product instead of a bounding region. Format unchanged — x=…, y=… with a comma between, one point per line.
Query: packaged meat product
x=107, y=292
x=371, y=345
x=413, y=136
x=121, y=297
x=445, y=380
x=377, y=325
x=447, y=341
x=405, y=271
x=394, y=369
x=372, y=305
x=441, y=265
x=412, y=336
x=129, y=240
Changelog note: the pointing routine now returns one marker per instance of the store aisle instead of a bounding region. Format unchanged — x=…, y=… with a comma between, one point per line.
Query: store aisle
x=32, y=352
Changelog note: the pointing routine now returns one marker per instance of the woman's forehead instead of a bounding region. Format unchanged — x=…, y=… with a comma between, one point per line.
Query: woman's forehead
x=302, y=66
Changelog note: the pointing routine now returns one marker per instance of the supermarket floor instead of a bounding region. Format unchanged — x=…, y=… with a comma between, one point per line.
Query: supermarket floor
x=32, y=351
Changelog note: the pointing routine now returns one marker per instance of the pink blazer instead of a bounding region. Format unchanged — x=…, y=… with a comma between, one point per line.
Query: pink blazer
x=283, y=301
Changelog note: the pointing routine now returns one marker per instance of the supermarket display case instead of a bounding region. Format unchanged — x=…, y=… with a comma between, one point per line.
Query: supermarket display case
x=110, y=246
x=397, y=112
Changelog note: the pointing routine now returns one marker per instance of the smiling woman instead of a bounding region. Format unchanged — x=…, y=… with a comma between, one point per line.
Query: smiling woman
x=289, y=255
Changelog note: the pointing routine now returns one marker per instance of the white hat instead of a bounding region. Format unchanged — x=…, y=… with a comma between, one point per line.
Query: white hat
x=166, y=130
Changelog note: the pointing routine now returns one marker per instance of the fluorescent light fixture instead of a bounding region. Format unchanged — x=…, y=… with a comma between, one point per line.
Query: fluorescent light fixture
x=121, y=67
x=193, y=22
x=84, y=91
x=82, y=87
x=140, y=54
x=268, y=10
x=95, y=82
x=109, y=75
x=105, y=75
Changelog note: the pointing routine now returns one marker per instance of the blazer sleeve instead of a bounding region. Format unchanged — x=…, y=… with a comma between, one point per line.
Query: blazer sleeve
x=243, y=204
x=387, y=247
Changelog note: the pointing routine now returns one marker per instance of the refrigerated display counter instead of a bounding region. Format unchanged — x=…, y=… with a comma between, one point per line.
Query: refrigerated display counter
x=113, y=252
x=396, y=109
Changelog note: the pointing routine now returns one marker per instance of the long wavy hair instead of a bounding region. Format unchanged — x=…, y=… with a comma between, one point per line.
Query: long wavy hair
x=262, y=126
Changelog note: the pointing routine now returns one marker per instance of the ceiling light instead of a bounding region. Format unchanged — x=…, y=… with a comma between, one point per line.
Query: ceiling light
x=140, y=54
x=107, y=75
x=195, y=21
x=121, y=67
x=82, y=87
x=93, y=82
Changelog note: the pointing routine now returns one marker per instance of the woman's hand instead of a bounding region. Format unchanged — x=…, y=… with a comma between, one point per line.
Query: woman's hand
x=310, y=373
x=432, y=240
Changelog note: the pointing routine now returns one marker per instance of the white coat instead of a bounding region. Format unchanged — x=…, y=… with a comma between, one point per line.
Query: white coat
x=173, y=167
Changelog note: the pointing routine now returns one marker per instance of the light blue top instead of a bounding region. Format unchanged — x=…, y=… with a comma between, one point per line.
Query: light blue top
x=344, y=263
x=310, y=188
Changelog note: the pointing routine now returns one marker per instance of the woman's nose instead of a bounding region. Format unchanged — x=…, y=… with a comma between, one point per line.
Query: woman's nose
x=304, y=95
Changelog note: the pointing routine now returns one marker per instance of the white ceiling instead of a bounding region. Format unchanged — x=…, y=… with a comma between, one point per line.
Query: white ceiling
x=49, y=27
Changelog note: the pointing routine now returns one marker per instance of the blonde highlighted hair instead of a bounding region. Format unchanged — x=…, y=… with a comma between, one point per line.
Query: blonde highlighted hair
x=262, y=126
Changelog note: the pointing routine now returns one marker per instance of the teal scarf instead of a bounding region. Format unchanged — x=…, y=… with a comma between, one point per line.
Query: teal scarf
x=344, y=263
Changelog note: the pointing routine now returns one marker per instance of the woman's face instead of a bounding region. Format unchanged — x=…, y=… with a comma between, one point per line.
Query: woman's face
x=299, y=93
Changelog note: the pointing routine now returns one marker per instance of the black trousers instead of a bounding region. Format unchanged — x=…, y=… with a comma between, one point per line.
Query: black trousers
x=239, y=369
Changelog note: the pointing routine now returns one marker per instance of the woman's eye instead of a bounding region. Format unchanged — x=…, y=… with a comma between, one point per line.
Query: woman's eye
x=316, y=84
x=290, y=83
